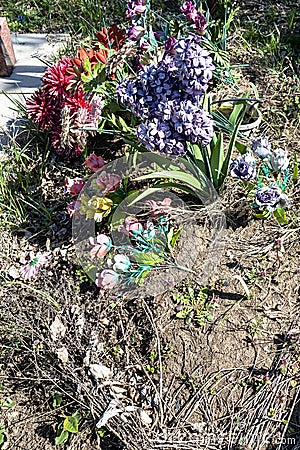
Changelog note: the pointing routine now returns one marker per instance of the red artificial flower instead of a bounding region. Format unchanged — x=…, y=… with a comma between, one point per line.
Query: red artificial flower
x=42, y=110
x=94, y=162
x=112, y=37
x=57, y=78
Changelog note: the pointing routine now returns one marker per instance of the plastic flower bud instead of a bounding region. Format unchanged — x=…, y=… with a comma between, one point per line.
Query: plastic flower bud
x=94, y=162
x=170, y=44
x=95, y=207
x=279, y=160
x=121, y=262
x=135, y=33
x=108, y=182
x=101, y=245
x=73, y=186
x=261, y=147
x=160, y=207
x=189, y=10
x=131, y=227
x=107, y=279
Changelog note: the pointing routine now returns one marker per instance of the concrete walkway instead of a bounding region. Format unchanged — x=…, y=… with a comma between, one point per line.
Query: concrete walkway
x=32, y=51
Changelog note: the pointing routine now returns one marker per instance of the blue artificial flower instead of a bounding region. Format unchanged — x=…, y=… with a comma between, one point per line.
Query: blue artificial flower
x=243, y=168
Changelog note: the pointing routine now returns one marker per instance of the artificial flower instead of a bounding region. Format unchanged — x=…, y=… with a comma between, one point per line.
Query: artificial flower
x=270, y=197
x=112, y=37
x=170, y=44
x=135, y=7
x=57, y=79
x=135, y=33
x=131, y=227
x=107, y=279
x=94, y=162
x=121, y=263
x=73, y=186
x=31, y=268
x=160, y=207
x=243, y=168
x=108, y=182
x=279, y=160
x=261, y=147
x=95, y=207
x=101, y=244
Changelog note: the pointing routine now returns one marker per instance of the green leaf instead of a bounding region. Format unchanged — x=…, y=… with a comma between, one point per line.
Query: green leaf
x=296, y=169
x=158, y=187
x=86, y=78
x=242, y=148
x=57, y=399
x=230, y=148
x=87, y=65
x=175, y=237
x=71, y=423
x=217, y=159
x=2, y=435
x=148, y=258
x=238, y=107
x=183, y=313
x=62, y=438
x=280, y=215
x=181, y=176
x=264, y=215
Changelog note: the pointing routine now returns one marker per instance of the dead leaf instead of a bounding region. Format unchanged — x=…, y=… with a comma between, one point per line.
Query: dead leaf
x=57, y=329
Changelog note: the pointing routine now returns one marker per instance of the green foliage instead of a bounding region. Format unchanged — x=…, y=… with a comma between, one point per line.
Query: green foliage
x=83, y=17
x=69, y=425
x=2, y=435
x=194, y=306
x=57, y=399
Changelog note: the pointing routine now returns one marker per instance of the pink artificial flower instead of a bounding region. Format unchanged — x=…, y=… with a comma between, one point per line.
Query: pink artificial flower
x=31, y=268
x=200, y=24
x=74, y=208
x=158, y=208
x=132, y=226
x=135, y=32
x=189, y=10
x=107, y=279
x=170, y=44
x=56, y=78
x=94, y=162
x=109, y=182
x=101, y=245
x=74, y=186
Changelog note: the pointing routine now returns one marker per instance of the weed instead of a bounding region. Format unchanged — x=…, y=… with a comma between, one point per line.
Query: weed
x=69, y=425
x=2, y=435
x=194, y=305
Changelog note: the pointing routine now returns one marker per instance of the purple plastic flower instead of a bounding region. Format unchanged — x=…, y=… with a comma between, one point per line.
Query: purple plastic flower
x=200, y=24
x=135, y=7
x=270, y=197
x=243, y=168
x=135, y=33
x=189, y=10
x=190, y=64
x=170, y=44
x=261, y=147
